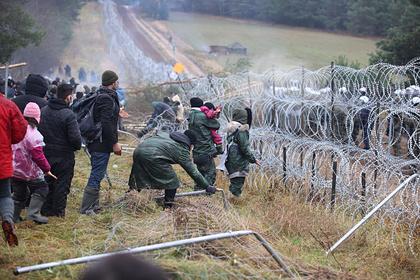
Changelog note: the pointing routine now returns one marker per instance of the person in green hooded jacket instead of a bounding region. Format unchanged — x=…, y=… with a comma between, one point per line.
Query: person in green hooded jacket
x=239, y=154
x=204, y=149
x=153, y=159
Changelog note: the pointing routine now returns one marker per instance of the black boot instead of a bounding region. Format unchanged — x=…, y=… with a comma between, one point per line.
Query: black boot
x=90, y=202
x=169, y=199
x=34, y=209
x=19, y=206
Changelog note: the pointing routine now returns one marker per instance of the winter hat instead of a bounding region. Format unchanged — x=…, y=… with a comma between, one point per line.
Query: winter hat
x=36, y=85
x=363, y=89
x=109, y=77
x=209, y=105
x=240, y=116
x=64, y=90
x=32, y=111
x=196, y=102
x=191, y=135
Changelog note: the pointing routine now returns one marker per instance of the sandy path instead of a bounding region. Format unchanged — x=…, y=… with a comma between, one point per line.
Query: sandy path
x=153, y=43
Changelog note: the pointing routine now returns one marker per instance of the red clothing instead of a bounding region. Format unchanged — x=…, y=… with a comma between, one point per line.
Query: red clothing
x=217, y=139
x=12, y=131
x=212, y=114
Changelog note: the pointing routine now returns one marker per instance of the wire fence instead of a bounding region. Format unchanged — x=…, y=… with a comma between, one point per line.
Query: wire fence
x=340, y=137
x=313, y=142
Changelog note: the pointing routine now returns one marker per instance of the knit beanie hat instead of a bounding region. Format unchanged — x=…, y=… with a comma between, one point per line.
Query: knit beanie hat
x=32, y=111
x=64, y=90
x=210, y=105
x=196, y=102
x=240, y=116
x=36, y=85
x=109, y=77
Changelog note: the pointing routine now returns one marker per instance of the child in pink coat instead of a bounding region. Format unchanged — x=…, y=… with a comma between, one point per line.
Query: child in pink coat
x=30, y=166
x=212, y=112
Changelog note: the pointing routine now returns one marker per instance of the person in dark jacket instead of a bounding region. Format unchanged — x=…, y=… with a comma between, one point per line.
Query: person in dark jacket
x=36, y=88
x=67, y=70
x=162, y=112
x=106, y=111
x=153, y=160
x=62, y=138
x=361, y=122
x=239, y=154
x=204, y=150
x=82, y=74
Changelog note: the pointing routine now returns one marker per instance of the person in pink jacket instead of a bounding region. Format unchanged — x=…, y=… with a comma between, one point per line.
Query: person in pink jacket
x=212, y=112
x=29, y=168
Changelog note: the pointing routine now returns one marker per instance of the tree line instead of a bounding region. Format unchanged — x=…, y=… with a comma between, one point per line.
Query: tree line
x=398, y=21
x=36, y=31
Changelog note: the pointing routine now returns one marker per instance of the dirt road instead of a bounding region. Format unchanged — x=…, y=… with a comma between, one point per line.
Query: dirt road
x=154, y=44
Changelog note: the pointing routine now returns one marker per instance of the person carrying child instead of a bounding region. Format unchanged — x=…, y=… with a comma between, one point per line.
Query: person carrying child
x=30, y=166
x=213, y=112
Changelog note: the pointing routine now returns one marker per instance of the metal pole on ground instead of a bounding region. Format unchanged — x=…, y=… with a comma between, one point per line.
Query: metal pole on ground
x=372, y=212
x=161, y=246
x=199, y=193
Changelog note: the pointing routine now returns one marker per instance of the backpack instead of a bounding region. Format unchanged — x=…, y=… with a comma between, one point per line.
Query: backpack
x=89, y=130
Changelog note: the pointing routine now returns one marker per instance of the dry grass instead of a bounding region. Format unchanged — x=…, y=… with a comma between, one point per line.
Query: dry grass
x=297, y=230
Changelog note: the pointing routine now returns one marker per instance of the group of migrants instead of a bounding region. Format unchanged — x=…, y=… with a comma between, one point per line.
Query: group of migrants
x=83, y=74
x=39, y=138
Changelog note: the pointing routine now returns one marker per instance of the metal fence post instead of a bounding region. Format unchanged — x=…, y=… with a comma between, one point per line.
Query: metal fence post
x=334, y=184
x=284, y=162
x=311, y=191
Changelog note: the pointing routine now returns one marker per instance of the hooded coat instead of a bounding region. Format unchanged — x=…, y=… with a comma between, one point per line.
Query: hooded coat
x=60, y=129
x=239, y=154
x=162, y=110
x=201, y=125
x=12, y=130
x=153, y=159
x=36, y=88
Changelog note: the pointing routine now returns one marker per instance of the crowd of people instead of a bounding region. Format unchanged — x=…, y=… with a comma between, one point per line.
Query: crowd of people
x=42, y=128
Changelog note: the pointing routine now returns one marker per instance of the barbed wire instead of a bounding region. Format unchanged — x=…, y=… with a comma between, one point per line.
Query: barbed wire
x=366, y=122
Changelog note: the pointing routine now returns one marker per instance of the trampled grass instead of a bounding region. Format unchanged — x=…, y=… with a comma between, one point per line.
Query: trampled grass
x=269, y=45
x=295, y=228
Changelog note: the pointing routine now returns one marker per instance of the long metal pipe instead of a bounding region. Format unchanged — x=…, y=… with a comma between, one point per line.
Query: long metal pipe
x=161, y=246
x=198, y=193
x=372, y=212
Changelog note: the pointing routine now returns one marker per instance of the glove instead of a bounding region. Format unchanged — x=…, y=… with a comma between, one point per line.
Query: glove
x=210, y=190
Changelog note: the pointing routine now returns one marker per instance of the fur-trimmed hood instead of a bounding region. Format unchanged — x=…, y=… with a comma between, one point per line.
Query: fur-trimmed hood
x=233, y=126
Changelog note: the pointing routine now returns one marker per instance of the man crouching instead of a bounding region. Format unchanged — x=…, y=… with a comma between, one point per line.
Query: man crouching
x=153, y=159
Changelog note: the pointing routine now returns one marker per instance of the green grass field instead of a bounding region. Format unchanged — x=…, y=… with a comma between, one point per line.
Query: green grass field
x=270, y=45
